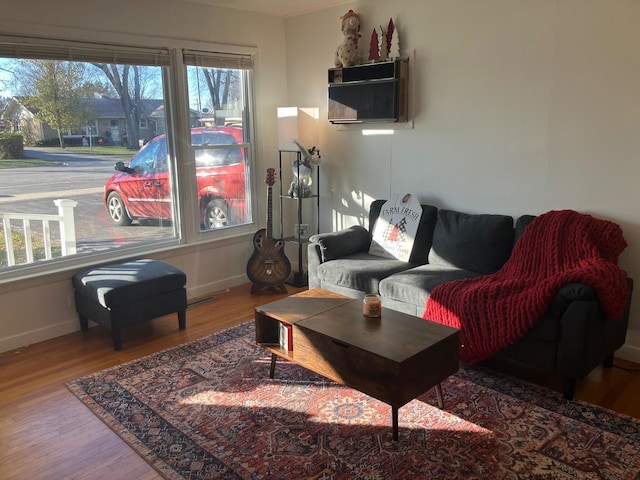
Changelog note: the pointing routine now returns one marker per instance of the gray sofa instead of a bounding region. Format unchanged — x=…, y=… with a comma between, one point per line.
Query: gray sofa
x=569, y=340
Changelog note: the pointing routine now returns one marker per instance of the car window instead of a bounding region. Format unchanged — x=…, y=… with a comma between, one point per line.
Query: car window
x=145, y=159
x=201, y=139
x=216, y=157
x=161, y=164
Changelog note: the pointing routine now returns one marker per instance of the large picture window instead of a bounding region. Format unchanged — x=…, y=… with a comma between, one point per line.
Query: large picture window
x=99, y=129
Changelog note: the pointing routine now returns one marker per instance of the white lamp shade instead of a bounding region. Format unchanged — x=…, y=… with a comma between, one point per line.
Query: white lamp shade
x=298, y=123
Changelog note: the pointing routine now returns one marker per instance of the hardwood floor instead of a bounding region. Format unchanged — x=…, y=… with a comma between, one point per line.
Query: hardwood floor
x=46, y=433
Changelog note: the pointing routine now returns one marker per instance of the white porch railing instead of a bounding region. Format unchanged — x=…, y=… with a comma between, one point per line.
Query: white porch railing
x=65, y=218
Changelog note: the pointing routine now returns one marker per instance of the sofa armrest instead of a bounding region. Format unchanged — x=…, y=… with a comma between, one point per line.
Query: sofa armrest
x=588, y=338
x=339, y=244
x=323, y=247
x=567, y=294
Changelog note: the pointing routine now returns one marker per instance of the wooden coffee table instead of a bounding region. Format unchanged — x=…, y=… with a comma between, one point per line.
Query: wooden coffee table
x=394, y=358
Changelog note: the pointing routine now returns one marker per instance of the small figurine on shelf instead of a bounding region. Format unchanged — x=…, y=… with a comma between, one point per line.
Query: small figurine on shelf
x=390, y=29
x=383, y=56
x=393, y=37
x=374, y=51
x=303, y=171
x=347, y=54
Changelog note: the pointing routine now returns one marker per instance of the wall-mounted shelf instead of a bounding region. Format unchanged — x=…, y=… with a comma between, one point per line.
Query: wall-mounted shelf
x=370, y=93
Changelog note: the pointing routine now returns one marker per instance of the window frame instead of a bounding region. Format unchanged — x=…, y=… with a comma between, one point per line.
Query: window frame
x=187, y=232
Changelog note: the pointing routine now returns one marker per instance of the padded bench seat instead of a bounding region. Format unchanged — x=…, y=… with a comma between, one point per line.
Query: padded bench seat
x=119, y=295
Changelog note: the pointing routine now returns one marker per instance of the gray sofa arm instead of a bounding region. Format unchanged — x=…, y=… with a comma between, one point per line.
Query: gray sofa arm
x=323, y=247
x=340, y=244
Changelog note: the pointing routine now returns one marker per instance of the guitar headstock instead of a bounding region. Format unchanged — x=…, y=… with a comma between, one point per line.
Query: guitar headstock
x=271, y=176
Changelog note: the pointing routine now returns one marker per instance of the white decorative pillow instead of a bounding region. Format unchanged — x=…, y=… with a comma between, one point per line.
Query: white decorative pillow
x=396, y=227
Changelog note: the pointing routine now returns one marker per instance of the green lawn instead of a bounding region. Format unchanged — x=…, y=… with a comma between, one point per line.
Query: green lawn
x=120, y=153
x=25, y=163
x=103, y=150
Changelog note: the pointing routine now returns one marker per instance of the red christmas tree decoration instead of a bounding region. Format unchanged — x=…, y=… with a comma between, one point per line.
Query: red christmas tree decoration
x=374, y=53
x=390, y=28
x=393, y=235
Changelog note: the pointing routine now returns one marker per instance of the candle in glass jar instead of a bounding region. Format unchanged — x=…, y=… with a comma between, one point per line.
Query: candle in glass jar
x=371, y=305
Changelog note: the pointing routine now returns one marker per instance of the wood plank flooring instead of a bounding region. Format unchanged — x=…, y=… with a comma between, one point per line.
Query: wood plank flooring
x=46, y=433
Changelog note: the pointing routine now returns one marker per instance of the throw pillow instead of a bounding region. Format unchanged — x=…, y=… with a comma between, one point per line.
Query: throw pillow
x=396, y=227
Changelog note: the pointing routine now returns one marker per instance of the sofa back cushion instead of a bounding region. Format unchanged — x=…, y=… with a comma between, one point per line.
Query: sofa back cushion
x=480, y=243
x=424, y=235
x=522, y=223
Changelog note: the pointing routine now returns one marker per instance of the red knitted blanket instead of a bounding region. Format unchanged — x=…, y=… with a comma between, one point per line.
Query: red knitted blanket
x=557, y=248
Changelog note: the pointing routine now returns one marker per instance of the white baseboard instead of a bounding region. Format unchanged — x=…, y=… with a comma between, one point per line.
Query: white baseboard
x=39, y=335
x=215, y=287
x=631, y=349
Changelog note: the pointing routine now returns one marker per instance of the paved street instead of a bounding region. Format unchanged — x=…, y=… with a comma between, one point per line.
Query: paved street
x=77, y=177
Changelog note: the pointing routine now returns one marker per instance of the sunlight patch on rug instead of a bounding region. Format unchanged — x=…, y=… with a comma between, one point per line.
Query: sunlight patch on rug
x=207, y=409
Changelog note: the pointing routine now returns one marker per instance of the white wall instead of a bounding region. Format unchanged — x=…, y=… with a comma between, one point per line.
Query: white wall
x=36, y=309
x=519, y=107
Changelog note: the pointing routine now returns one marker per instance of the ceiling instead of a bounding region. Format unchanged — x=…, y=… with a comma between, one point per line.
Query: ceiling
x=280, y=8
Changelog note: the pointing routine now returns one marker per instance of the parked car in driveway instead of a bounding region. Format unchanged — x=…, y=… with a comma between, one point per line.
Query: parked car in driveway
x=141, y=190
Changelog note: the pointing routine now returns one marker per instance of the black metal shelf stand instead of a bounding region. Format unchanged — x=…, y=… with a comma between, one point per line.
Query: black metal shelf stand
x=299, y=278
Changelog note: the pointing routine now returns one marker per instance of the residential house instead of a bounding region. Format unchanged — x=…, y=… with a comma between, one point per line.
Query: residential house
x=20, y=118
x=109, y=121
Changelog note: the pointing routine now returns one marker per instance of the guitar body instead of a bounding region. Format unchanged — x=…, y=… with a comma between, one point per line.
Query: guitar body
x=268, y=265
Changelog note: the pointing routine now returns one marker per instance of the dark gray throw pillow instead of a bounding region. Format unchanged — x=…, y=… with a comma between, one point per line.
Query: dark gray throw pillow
x=481, y=243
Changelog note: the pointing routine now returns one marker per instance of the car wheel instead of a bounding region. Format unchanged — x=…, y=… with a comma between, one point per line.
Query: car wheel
x=216, y=214
x=117, y=211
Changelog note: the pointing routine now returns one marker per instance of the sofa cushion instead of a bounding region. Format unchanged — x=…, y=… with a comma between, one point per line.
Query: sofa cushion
x=481, y=243
x=360, y=271
x=424, y=235
x=522, y=223
x=414, y=285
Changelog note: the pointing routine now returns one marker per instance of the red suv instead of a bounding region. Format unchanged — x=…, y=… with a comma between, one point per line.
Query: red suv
x=141, y=190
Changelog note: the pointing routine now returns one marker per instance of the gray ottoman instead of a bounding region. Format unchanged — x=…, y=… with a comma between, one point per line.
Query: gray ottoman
x=119, y=295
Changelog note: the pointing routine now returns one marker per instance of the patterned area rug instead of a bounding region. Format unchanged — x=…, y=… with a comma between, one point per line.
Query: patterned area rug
x=207, y=409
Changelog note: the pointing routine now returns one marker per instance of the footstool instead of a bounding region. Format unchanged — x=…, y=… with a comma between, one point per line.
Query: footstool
x=116, y=296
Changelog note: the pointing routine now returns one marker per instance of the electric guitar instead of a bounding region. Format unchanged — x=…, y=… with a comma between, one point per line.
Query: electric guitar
x=268, y=265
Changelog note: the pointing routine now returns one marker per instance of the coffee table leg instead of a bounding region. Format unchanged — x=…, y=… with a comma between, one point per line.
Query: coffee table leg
x=439, y=395
x=272, y=370
x=394, y=422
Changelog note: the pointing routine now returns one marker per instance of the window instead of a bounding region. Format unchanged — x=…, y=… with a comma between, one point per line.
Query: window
x=136, y=206
x=217, y=107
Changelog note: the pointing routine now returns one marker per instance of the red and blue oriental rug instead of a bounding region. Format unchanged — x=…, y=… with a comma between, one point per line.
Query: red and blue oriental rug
x=208, y=410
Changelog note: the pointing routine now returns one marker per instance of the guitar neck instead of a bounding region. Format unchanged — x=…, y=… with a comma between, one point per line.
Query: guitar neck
x=269, y=213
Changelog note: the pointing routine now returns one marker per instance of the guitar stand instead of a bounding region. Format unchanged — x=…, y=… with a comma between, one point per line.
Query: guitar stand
x=259, y=287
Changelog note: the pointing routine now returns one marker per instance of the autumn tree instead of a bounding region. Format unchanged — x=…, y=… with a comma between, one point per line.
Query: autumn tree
x=55, y=91
x=132, y=83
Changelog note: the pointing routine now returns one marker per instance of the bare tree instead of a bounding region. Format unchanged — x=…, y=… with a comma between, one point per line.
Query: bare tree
x=4, y=102
x=223, y=85
x=132, y=83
